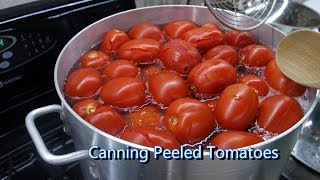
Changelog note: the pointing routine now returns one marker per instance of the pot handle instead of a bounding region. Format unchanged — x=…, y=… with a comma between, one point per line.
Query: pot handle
x=40, y=145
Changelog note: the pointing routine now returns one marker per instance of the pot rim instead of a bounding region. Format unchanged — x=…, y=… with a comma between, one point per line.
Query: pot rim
x=114, y=138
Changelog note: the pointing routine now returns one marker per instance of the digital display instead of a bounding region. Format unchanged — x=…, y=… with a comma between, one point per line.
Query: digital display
x=6, y=42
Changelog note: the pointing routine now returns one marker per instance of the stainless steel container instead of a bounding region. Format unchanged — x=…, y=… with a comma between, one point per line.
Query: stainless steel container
x=85, y=135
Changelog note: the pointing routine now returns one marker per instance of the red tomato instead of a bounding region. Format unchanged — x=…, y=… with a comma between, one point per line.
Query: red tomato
x=239, y=39
x=212, y=25
x=86, y=107
x=235, y=139
x=204, y=38
x=256, y=55
x=146, y=30
x=257, y=83
x=150, y=137
x=149, y=71
x=148, y=116
x=139, y=50
x=237, y=107
x=83, y=83
x=166, y=87
x=121, y=68
x=112, y=41
x=212, y=103
x=124, y=92
x=190, y=120
x=212, y=76
x=175, y=29
x=106, y=119
x=223, y=52
x=278, y=113
x=278, y=81
x=94, y=59
x=180, y=56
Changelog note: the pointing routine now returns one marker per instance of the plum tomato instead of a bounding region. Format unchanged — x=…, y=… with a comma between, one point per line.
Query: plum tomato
x=211, y=25
x=256, y=55
x=256, y=82
x=150, y=70
x=124, y=92
x=237, y=107
x=278, y=81
x=106, y=119
x=190, y=120
x=112, y=40
x=235, y=139
x=146, y=30
x=147, y=116
x=150, y=137
x=180, y=56
x=166, y=87
x=175, y=29
x=278, y=113
x=121, y=68
x=239, y=39
x=142, y=51
x=85, y=107
x=94, y=59
x=211, y=76
x=83, y=83
x=204, y=38
x=223, y=52
x=211, y=103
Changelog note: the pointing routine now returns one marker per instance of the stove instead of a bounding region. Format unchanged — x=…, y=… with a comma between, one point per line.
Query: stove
x=31, y=37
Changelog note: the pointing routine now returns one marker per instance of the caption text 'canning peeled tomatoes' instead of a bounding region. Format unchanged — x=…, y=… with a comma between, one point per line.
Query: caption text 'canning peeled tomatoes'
x=190, y=120
x=257, y=83
x=278, y=81
x=180, y=56
x=121, y=68
x=147, y=116
x=256, y=55
x=166, y=87
x=112, y=41
x=83, y=83
x=142, y=51
x=94, y=59
x=124, y=92
x=106, y=119
x=223, y=52
x=85, y=107
x=237, y=107
x=175, y=29
x=211, y=76
x=239, y=39
x=278, y=113
x=146, y=30
x=235, y=139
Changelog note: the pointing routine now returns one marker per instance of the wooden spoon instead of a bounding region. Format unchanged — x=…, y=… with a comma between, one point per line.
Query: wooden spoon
x=298, y=57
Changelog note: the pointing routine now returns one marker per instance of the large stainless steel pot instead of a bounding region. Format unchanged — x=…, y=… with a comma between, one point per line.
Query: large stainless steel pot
x=84, y=135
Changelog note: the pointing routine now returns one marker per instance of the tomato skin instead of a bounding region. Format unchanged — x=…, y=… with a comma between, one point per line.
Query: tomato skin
x=278, y=81
x=204, y=38
x=94, y=59
x=147, y=116
x=86, y=107
x=83, y=83
x=211, y=103
x=211, y=25
x=257, y=83
x=150, y=137
x=142, y=51
x=180, y=56
x=237, y=107
x=107, y=119
x=175, y=29
x=124, y=92
x=235, y=139
x=256, y=55
x=150, y=70
x=212, y=76
x=121, y=68
x=278, y=113
x=112, y=41
x=223, y=52
x=190, y=120
x=239, y=39
x=166, y=87
x=146, y=30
